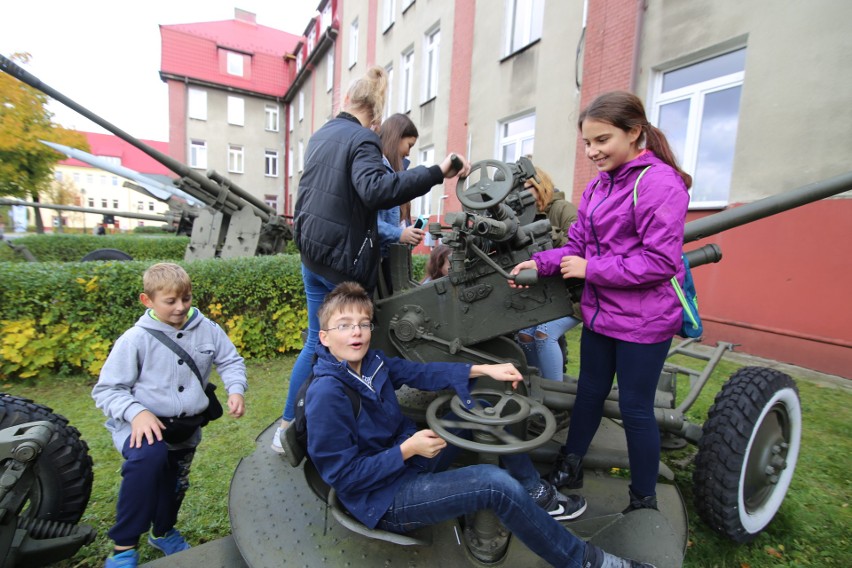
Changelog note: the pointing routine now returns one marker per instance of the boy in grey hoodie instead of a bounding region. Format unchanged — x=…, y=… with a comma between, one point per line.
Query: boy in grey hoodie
x=144, y=383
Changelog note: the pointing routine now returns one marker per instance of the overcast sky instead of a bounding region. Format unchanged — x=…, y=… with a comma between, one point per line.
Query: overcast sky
x=105, y=54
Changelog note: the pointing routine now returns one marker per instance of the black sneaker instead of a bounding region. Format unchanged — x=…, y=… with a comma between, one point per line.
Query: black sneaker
x=567, y=472
x=636, y=502
x=560, y=507
x=595, y=557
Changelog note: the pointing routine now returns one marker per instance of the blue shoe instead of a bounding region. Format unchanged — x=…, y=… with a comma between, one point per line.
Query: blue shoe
x=126, y=559
x=171, y=543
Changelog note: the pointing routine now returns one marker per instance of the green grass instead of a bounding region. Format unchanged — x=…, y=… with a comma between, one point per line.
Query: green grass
x=811, y=529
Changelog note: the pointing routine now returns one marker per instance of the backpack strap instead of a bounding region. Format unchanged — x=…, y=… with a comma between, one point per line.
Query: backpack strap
x=177, y=349
x=636, y=185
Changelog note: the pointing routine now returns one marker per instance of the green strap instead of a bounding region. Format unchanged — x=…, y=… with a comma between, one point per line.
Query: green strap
x=675, y=284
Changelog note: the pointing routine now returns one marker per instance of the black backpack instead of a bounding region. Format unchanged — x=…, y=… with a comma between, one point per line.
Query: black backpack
x=296, y=435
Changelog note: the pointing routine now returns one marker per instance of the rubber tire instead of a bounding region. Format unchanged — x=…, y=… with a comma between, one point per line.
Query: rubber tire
x=106, y=254
x=754, y=400
x=64, y=469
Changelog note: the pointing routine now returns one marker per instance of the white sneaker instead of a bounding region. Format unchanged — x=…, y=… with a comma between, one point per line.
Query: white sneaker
x=276, y=440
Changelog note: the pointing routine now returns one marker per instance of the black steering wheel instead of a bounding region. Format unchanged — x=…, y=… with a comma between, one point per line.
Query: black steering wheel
x=507, y=408
x=488, y=191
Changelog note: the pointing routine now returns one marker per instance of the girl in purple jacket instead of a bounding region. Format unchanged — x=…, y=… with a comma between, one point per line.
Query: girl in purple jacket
x=627, y=251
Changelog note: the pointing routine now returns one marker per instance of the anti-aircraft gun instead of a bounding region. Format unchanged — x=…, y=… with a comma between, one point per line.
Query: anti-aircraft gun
x=234, y=223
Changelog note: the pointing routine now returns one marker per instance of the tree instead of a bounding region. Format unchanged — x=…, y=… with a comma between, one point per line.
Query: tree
x=26, y=165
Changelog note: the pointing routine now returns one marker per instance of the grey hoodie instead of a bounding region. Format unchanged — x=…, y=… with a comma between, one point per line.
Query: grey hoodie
x=141, y=373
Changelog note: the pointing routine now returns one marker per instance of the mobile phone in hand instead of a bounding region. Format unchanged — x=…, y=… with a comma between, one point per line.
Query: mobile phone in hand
x=421, y=222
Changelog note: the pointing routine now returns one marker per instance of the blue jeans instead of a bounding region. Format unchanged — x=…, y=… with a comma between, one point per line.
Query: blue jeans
x=154, y=481
x=638, y=366
x=316, y=289
x=541, y=347
x=430, y=498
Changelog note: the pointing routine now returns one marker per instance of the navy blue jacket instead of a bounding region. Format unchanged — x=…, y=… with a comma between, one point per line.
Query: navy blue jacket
x=343, y=185
x=360, y=457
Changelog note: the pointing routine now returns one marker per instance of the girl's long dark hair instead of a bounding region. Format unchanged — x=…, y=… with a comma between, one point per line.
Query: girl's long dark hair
x=393, y=130
x=625, y=111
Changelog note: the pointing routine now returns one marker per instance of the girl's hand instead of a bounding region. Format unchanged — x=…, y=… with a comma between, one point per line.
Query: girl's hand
x=525, y=265
x=424, y=443
x=145, y=425
x=573, y=267
x=450, y=169
x=236, y=405
x=499, y=372
x=411, y=236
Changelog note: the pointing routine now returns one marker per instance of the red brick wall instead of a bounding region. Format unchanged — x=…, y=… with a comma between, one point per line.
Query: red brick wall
x=608, y=64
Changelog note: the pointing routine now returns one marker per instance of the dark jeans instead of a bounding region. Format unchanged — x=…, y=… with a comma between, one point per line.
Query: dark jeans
x=431, y=498
x=638, y=367
x=154, y=482
x=316, y=289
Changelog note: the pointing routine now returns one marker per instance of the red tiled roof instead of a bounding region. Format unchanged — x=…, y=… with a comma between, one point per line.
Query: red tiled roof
x=131, y=157
x=191, y=50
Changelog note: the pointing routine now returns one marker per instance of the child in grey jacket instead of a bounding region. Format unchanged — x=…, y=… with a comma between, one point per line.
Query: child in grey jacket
x=142, y=385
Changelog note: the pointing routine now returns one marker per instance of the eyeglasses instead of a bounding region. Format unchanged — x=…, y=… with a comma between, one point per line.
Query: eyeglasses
x=350, y=327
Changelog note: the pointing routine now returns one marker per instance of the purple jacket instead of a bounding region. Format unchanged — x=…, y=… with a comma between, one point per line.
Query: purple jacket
x=632, y=252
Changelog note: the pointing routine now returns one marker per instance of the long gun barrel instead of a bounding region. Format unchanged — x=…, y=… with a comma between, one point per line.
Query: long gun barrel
x=129, y=214
x=207, y=190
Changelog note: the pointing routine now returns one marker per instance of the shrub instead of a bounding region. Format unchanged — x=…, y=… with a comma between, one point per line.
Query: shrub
x=72, y=248
x=63, y=317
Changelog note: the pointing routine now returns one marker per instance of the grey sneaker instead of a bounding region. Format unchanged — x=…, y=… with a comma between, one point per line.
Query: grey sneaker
x=276, y=440
x=595, y=557
x=560, y=507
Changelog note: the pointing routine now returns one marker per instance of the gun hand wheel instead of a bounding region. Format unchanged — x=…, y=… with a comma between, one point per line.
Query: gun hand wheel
x=487, y=191
x=506, y=409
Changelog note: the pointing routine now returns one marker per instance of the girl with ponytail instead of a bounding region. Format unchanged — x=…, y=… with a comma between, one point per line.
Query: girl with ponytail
x=626, y=244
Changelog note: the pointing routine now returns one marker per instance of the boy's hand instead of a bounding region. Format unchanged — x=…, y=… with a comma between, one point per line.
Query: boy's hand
x=502, y=372
x=145, y=425
x=424, y=443
x=236, y=405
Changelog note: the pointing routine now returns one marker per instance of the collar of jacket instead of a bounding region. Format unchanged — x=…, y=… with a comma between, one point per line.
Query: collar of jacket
x=370, y=366
x=345, y=115
x=644, y=159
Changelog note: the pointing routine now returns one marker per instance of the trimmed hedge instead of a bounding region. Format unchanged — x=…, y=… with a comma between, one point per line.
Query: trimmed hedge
x=62, y=318
x=72, y=248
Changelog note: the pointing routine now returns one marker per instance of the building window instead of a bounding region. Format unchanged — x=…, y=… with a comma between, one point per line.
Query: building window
x=236, y=111
x=325, y=17
x=103, y=203
x=431, y=45
x=299, y=61
x=115, y=181
x=103, y=179
x=90, y=179
x=301, y=155
x=524, y=19
x=301, y=106
x=516, y=138
x=235, y=63
x=329, y=71
x=198, y=154
x=388, y=13
x=389, y=95
x=353, y=43
x=698, y=108
x=115, y=203
x=236, y=158
x=271, y=200
x=91, y=202
x=271, y=118
x=407, y=67
x=150, y=206
x=312, y=40
x=271, y=163
x=77, y=177
x=290, y=114
x=423, y=205
x=290, y=167
x=140, y=206
x=197, y=102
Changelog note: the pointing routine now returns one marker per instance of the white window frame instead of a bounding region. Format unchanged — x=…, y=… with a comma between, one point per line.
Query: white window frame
x=270, y=163
x=291, y=113
x=301, y=156
x=696, y=94
x=523, y=140
x=388, y=14
x=301, y=106
x=299, y=58
x=329, y=71
x=236, y=111
x=431, y=63
x=406, y=4
x=198, y=154
x=235, y=63
x=353, y=43
x=325, y=17
x=406, y=80
x=389, y=95
x=197, y=104
x=312, y=40
x=236, y=158
x=91, y=201
x=272, y=117
x=290, y=165
x=115, y=203
x=524, y=22
x=423, y=205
